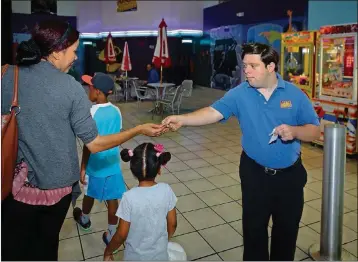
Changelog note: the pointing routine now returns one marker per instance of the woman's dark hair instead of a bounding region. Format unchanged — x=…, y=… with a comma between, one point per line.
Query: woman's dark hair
x=144, y=162
x=46, y=37
x=267, y=53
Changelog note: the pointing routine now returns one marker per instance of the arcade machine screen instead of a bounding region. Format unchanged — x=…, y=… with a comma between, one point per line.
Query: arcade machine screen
x=225, y=62
x=297, y=65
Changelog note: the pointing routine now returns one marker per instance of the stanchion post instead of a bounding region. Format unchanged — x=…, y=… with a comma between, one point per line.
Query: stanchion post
x=334, y=166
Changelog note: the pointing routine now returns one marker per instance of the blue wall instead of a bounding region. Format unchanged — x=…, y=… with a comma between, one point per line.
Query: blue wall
x=322, y=13
x=255, y=12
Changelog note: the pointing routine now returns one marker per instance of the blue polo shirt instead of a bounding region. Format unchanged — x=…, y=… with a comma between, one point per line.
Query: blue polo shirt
x=153, y=76
x=258, y=117
x=108, y=120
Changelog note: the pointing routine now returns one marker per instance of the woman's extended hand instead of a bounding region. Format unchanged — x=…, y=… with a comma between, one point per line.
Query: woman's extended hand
x=153, y=129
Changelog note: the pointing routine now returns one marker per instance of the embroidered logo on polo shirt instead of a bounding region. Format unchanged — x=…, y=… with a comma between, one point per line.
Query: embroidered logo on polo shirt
x=286, y=104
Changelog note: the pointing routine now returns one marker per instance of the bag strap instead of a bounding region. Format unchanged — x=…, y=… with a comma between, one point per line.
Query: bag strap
x=4, y=69
x=15, y=102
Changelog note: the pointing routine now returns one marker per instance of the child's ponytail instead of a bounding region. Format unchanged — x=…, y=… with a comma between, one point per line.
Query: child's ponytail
x=126, y=155
x=164, y=158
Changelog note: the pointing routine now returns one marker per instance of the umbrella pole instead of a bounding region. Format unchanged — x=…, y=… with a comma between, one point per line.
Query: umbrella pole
x=126, y=86
x=161, y=107
x=161, y=75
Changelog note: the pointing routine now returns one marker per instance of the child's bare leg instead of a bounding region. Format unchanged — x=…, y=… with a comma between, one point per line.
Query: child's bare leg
x=87, y=204
x=112, y=218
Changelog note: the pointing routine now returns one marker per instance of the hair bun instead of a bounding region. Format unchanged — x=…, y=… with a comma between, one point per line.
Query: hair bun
x=28, y=53
x=164, y=158
x=125, y=155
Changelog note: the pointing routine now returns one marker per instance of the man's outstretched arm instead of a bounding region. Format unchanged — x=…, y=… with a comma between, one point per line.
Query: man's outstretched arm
x=201, y=117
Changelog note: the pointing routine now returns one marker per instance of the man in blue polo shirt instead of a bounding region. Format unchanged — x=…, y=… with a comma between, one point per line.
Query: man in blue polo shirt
x=153, y=76
x=274, y=116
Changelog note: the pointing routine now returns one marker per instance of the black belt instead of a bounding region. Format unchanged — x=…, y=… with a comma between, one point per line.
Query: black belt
x=273, y=171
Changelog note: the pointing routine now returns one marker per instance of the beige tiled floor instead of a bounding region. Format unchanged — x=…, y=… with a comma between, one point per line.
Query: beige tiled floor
x=203, y=173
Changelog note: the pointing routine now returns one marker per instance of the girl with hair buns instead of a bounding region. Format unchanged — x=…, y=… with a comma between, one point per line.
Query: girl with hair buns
x=147, y=215
x=54, y=111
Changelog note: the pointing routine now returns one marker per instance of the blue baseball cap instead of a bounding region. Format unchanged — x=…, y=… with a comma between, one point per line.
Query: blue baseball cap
x=100, y=81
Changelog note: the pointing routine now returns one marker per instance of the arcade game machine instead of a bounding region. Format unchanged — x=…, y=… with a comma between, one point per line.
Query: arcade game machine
x=337, y=96
x=224, y=64
x=225, y=54
x=298, y=60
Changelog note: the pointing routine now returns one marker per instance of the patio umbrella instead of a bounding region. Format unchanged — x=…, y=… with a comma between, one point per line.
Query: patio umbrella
x=109, y=52
x=126, y=66
x=161, y=53
x=126, y=60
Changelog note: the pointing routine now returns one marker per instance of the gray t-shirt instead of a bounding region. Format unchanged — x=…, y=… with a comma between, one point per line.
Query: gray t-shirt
x=54, y=110
x=146, y=208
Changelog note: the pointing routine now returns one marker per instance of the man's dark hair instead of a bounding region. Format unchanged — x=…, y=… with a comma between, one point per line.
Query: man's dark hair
x=267, y=53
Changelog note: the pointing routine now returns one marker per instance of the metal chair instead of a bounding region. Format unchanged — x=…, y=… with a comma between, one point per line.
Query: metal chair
x=138, y=89
x=188, y=88
x=172, y=101
x=118, y=93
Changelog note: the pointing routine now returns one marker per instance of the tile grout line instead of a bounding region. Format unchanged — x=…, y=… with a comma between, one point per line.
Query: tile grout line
x=79, y=237
x=309, y=225
x=197, y=231
x=206, y=257
x=228, y=223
